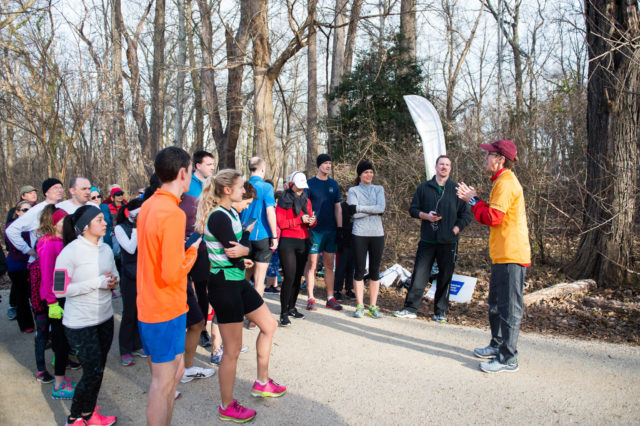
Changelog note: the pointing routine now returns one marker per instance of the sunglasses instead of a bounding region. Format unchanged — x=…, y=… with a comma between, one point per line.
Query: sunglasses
x=24, y=210
x=95, y=197
x=119, y=193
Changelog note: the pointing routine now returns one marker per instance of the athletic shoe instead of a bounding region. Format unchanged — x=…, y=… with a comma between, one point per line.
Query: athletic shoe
x=65, y=391
x=12, y=313
x=272, y=289
x=284, y=320
x=495, y=366
x=236, y=413
x=338, y=296
x=73, y=365
x=140, y=353
x=296, y=314
x=489, y=352
x=404, y=313
x=28, y=330
x=440, y=318
x=270, y=389
x=374, y=312
x=332, y=304
x=44, y=377
x=196, y=373
x=205, y=341
x=97, y=419
x=350, y=295
x=216, y=357
x=311, y=305
x=77, y=422
x=127, y=361
x=359, y=313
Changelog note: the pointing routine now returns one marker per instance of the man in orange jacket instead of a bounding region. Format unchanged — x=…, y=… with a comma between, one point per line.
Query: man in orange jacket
x=163, y=265
x=510, y=254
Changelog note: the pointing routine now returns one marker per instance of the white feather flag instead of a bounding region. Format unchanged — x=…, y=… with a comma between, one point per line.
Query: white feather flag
x=429, y=127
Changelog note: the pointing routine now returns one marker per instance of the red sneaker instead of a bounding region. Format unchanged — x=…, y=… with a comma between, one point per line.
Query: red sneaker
x=311, y=305
x=333, y=304
x=97, y=419
x=271, y=389
x=236, y=413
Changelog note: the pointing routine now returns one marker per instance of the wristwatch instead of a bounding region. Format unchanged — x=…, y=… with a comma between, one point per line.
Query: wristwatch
x=473, y=201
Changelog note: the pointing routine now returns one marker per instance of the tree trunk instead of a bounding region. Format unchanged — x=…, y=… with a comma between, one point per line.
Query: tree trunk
x=312, y=93
x=182, y=63
x=157, y=79
x=613, y=119
x=356, y=7
x=198, y=125
x=119, y=129
x=408, y=29
x=337, y=68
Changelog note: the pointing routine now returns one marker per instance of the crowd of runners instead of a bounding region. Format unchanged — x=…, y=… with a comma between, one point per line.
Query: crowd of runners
x=196, y=247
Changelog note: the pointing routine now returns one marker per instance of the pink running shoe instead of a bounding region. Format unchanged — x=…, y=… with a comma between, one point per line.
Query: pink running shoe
x=236, y=413
x=97, y=419
x=271, y=389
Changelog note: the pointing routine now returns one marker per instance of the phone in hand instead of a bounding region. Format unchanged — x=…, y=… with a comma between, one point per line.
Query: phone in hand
x=192, y=239
x=249, y=222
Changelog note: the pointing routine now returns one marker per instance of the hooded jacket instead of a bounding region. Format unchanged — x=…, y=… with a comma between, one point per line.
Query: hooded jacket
x=454, y=211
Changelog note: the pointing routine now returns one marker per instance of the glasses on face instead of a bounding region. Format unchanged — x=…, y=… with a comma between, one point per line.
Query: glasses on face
x=24, y=210
x=494, y=154
x=96, y=197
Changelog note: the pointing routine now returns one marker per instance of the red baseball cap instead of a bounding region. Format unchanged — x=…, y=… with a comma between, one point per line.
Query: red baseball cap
x=503, y=147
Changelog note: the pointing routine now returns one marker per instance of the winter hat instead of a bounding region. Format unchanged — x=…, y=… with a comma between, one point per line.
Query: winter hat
x=363, y=166
x=58, y=215
x=48, y=183
x=322, y=158
x=116, y=191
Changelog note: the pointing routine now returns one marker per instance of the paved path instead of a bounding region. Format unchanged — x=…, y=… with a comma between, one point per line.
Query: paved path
x=340, y=370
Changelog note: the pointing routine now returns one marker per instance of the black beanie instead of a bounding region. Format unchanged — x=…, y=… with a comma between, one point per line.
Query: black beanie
x=363, y=166
x=48, y=183
x=322, y=158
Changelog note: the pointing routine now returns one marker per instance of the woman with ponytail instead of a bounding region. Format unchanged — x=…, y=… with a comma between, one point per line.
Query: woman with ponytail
x=48, y=307
x=85, y=274
x=127, y=236
x=230, y=295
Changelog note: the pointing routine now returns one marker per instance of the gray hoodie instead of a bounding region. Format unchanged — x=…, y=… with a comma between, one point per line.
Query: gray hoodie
x=370, y=204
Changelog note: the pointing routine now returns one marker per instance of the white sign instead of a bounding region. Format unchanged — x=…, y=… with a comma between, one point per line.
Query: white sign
x=460, y=291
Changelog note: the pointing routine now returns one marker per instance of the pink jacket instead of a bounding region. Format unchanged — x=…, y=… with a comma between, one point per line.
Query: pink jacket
x=48, y=248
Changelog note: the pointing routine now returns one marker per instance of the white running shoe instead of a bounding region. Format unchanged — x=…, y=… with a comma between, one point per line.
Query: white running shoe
x=196, y=373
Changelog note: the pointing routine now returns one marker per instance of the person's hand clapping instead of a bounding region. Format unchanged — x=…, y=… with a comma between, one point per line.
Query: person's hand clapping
x=465, y=192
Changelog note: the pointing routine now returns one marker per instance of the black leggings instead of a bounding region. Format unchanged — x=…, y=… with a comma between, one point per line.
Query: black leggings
x=374, y=246
x=19, y=297
x=129, y=337
x=293, y=254
x=91, y=344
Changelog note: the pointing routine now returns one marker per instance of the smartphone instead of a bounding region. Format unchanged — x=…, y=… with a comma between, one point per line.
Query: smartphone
x=60, y=281
x=192, y=239
x=249, y=222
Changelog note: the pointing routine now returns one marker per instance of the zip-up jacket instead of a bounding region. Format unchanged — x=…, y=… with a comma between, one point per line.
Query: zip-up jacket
x=454, y=211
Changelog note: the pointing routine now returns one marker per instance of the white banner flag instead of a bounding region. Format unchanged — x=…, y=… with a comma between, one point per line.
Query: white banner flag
x=429, y=127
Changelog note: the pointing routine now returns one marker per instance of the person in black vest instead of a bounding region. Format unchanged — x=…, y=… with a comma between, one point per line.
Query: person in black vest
x=126, y=234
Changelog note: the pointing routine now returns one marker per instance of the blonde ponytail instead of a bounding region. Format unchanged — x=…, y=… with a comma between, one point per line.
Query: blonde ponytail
x=212, y=191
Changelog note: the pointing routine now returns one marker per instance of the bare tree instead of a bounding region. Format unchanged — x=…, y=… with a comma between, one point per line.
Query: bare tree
x=613, y=123
x=312, y=91
x=157, y=79
x=408, y=28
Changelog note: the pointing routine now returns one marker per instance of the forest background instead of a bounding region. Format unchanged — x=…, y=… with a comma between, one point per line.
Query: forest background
x=97, y=87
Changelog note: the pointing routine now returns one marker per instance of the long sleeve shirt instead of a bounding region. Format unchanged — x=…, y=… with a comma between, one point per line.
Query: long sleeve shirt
x=291, y=225
x=48, y=248
x=28, y=222
x=88, y=298
x=130, y=245
x=370, y=204
x=163, y=262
